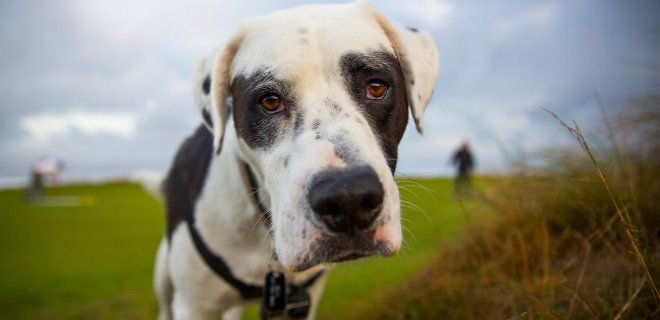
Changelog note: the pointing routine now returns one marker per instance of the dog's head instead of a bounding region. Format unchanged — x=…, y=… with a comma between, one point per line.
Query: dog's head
x=319, y=98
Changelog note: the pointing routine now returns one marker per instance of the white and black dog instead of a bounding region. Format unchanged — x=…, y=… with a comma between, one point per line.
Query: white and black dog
x=303, y=111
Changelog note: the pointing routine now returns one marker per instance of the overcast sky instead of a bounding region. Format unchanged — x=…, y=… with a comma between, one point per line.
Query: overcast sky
x=106, y=85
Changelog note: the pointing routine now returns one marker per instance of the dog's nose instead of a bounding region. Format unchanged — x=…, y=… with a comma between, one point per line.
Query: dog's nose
x=347, y=201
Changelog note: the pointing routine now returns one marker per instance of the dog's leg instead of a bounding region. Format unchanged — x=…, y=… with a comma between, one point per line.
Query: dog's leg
x=162, y=283
x=315, y=292
x=184, y=308
x=233, y=313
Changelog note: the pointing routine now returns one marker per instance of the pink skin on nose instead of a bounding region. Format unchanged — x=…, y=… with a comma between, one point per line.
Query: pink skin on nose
x=380, y=234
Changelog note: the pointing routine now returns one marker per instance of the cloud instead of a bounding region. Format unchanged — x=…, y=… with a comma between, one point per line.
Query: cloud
x=130, y=64
x=431, y=13
x=44, y=126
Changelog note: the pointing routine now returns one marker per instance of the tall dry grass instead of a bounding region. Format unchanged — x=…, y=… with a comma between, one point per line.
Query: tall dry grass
x=574, y=238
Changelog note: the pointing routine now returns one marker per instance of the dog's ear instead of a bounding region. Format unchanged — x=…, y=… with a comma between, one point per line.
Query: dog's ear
x=202, y=92
x=212, y=89
x=418, y=57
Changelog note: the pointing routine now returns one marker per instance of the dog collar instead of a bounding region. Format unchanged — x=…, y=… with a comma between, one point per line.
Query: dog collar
x=278, y=296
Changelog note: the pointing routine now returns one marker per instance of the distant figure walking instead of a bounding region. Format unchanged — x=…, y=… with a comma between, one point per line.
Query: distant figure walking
x=45, y=169
x=464, y=162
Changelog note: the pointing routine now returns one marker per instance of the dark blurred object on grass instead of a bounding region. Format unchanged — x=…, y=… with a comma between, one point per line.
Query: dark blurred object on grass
x=44, y=171
x=463, y=160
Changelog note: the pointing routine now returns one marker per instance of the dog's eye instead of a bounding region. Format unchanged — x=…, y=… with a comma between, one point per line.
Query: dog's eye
x=272, y=104
x=376, y=90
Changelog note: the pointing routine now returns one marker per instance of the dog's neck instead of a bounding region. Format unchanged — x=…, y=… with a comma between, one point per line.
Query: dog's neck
x=226, y=201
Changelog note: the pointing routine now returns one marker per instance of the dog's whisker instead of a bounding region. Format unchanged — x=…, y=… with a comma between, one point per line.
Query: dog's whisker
x=260, y=219
x=409, y=207
x=408, y=221
x=433, y=193
x=408, y=204
x=405, y=229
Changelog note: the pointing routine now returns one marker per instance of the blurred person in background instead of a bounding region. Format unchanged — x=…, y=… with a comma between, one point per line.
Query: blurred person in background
x=464, y=163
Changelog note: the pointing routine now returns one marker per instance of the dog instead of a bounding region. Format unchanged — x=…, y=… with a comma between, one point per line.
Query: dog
x=292, y=167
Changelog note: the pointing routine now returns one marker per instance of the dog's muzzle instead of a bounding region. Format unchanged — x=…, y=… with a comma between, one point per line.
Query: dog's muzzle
x=347, y=207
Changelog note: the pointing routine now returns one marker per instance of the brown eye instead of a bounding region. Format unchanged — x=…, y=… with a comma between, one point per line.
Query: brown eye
x=376, y=90
x=272, y=104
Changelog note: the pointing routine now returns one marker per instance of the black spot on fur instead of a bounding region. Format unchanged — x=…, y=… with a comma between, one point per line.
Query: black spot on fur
x=412, y=82
x=207, y=118
x=206, y=85
x=298, y=124
x=333, y=107
x=388, y=116
x=316, y=124
x=342, y=150
x=186, y=177
x=412, y=29
x=286, y=160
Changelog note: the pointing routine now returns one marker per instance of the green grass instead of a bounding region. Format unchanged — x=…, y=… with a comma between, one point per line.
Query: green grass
x=575, y=235
x=430, y=219
x=95, y=262
x=79, y=262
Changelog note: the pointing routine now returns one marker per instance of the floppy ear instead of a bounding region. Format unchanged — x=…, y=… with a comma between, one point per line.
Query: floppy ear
x=418, y=57
x=202, y=92
x=212, y=89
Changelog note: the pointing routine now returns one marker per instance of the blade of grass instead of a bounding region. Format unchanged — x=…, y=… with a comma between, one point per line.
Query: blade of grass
x=623, y=214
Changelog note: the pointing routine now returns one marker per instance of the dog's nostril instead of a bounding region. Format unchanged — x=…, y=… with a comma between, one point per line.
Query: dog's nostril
x=348, y=200
x=332, y=208
x=371, y=203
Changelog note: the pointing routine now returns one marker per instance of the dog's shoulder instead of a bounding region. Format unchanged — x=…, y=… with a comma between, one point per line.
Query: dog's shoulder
x=185, y=179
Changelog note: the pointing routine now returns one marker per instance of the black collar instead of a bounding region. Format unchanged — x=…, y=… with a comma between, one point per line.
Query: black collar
x=218, y=265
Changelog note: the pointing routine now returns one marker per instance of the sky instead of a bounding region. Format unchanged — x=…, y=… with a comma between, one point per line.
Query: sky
x=107, y=85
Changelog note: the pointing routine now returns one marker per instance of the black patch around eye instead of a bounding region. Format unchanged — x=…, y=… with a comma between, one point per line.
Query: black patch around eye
x=388, y=116
x=255, y=126
x=206, y=85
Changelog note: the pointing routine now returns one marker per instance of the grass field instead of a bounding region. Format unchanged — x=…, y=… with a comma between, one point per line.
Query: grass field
x=95, y=261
